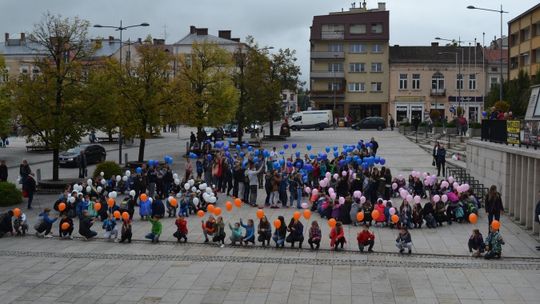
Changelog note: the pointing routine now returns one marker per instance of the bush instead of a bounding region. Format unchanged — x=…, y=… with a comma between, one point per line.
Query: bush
x=502, y=106
x=405, y=124
x=451, y=124
x=109, y=168
x=475, y=125
x=437, y=124
x=9, y=195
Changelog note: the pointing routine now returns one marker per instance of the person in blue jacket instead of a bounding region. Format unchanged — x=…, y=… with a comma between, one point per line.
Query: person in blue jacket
x=44, y=226
x=249, y=237
x=145, y=209
x=158, y=208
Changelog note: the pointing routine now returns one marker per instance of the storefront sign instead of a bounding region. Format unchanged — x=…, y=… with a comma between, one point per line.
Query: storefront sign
x=531, y=134
x=512, y=127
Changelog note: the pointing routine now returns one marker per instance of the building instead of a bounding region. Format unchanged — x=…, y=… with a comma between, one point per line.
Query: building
x=289, y=102
x=524, y=39
x=349, y=61
x=200, y=35
x=426, y=79
x=492, y=55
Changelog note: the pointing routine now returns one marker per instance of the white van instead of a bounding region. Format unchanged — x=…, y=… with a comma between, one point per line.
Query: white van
x=312, y=120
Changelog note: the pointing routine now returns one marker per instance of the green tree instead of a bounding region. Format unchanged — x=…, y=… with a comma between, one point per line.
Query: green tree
x=49, y=104
x=208, y=94
x=5, y=106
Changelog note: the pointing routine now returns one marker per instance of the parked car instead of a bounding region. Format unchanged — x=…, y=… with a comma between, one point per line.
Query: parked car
x=209, y=131
x=317, y=119
x=94, y=154
x=255, y=127
x=230, y=130
x=373, y=122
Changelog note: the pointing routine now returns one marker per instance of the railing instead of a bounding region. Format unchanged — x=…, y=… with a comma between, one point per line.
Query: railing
x=438, y=92
x=461, y=176
x=327, y=74
x=327, y=55
x=494, y=131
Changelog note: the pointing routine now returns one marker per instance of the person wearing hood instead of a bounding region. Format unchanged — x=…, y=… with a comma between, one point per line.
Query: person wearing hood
x=43, y=228
x=355, y=208
x=6, y=224
x=158, y=208
x=30, y=187
x=85, y=226
x=145, y=209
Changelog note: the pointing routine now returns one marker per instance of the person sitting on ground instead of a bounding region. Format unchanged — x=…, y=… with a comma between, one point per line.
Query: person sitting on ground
x=494, y=242
x=265, y=231
x=157, y=227
x=20, y=224
x=365, y=238
x=476, y=243
x=85, y=225
x=337, y=237
x=109, y=225
x=219, y=235
x=209, y=228
x=6, y=224
x=404, y=240
x=44, y=226
x=126, y=232
x=65, y=233
x=236, y=233
x=314, y=235
x=249, y=236
x=296, y=233
x=279, y=233
x=181, y=229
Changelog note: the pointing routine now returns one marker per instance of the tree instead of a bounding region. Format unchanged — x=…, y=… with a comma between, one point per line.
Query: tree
x=516, y=92
x=208, y=95
x=49, y=104
x=5, y=106
x=144, y=91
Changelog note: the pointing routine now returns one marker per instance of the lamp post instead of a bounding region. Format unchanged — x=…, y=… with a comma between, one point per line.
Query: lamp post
x=120, y=28
x=501, y=12
x=459, y=74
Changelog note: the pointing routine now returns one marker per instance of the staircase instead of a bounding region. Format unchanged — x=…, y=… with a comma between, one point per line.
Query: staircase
x=454, y=144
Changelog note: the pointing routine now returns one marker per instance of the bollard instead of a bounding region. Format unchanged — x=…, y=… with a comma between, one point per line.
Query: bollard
x=38, y=174
x=125, y=158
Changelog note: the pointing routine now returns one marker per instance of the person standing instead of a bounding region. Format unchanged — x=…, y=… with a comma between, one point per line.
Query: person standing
x=440, y=160
x=30, y=187
x=374, y=146
x=24, y=171
x=494, y=205
x=537, y=215
x=82, y=164
x=3, y=171
x=392, y=123
x=253, y=182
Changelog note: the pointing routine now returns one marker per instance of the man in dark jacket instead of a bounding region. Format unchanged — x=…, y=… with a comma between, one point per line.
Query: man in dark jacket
x=6, y=224
x=85, y=225
x=440, y=160
x=30, y=187
x=158, y=208
x=82, y=165
x=3, y=171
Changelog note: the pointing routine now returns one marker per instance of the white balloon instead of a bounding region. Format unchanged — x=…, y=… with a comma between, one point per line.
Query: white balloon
x=88, y=189
x=89, y=182
x=213, y=199
x=209, y=190
x=72, y=199
x=178, y=195
x=102, y=173
x=132, y=193
x=195, y=200
x=186, y=186
x=114, y=194
x=202, y=186
x=103, y=182
x=125, y=178
x=150, y=199
x=177, y=182
x=111, y=195
x=191, y=182
x=118, y=178
x=193, y=189
x=175, y=176
x=128, y=173
x=99, y=189
x=170, y=198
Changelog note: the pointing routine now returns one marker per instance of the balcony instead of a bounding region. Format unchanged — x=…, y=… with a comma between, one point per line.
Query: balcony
x=326, y=74
x=438, y=92
x=332, y=35
x=327, y=55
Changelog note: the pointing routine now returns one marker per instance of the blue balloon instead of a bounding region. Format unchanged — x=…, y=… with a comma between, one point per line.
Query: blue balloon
x=276, y=166
x=336, y=154
x=289, y=164
x=242, y=154
x=293, y=146
x=266, y=153
x=244, y=163
x=138, y=170
x=250, y=148
x=255, y=159
x=335, y=148
x=297, y=153
x=209, y=157
x=281, y=162
x=281, y=152
x=238, y=147
x=286, y=146
x=345, y=146
x=484, y=113
x=308, y=167
x=256, y=153
x=382, y=161
x=312, y=156
x=193, y=155
x=228, y=154
x=327, y=149
x=226, y=148
x=308, y=147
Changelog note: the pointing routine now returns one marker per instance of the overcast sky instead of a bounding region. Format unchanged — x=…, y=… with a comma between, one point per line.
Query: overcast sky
x=277, y=23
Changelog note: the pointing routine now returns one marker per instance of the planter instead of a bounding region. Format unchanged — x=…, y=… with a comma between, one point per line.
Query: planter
x=475, y=132
x=437, y=130
x=401, y=129
x=451, y=131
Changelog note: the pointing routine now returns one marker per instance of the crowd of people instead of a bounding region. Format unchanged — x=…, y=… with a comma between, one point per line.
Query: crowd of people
x=354, y=187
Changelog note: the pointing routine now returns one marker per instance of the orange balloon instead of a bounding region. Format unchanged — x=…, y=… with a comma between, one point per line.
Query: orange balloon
x=307, y=214
x=296, y=215
x=395, y=218
x=210, y=208
x=173, y=202
x=143, y=197
x=228, y=205
x=125, y=216
x=277, y=223
x=200, y=213
x=332, y=223
x=110, y=202
x=97, y=206
x=116, y=214
x=473, y=218
x=375, y=214
x=65, y=226
x=217, y=211
x=62, y=207
x=360, y=216
x=17, y=212
x=495, y=224
x=260, y=214
x=238, y=202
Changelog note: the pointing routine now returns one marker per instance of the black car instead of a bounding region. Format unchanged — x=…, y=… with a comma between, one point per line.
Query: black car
x=374, y=122
x=230, y=130
x=94, y=154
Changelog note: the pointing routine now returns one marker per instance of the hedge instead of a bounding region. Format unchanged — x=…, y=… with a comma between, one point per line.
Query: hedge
x=9, y=194
x=109, y=168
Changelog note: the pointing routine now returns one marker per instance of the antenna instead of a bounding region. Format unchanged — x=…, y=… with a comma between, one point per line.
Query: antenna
x=165, y=32
x=353, y=5
x=364, y=4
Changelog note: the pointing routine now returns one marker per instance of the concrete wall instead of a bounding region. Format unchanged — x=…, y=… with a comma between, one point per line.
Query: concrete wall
x=516, y=173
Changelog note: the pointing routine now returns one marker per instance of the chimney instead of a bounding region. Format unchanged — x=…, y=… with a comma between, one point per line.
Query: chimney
x=23, y=37
x=6, y=37
x=382, y=6
x=159, y=41
x=434, y=44
x=202, y=32
x=111, y=39
x=192, y=29
x=139, y=40
x=235, y=39
x=224, y=34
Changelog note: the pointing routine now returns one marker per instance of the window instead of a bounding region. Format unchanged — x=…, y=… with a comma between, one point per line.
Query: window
x=493, y=81
x=472, y=81
x=357, y=29
x=24, y=70
x=376, y=87
x=332, y=31
x=403, y=81
x=524, y=34
x=283, y=96
x=494, y=69
x=334, y=86
x=335, y=47
x=376, y=67
x=416, y=81
x=376, y=48
x=357, y=67
x=335, y=67
x=356, y=87
x=437, y=82
x=459, y=82
x=376, y=28
x=357, y=48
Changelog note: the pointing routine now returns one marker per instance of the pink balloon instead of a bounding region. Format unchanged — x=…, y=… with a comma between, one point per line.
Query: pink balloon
x=417, y=199
x=466, y=187
x=436, y=198
x=455, y=185
x=336, y=176
x=357, y=194
x=354, y=175
x=444, y=184
x=394, y=186
x=327, y=175
x=315, y=191
x=341, y=200
x=304, y=205
x=400, y=177
x=409, y=198
x=444, y=198
x=392, y=211
x=450, y=179
x=308, y=190
x=322, y=183
x=403, y=194
x=344, y=173
x=385, y=203
x=362, y=199
x=333, y=195
x=427, y=183
x=331, y=190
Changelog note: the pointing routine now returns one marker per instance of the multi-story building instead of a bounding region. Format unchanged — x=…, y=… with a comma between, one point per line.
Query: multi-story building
x=524, y=39
x=289, y=100
x=349, y=61
x=200, y=35
x=493, y=65
x=426, y=79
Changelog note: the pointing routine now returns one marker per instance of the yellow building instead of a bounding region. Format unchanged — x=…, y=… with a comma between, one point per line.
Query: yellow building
x=524, y=50
x=349, y=62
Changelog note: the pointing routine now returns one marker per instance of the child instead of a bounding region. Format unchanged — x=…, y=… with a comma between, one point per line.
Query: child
x=208, y=228
x=184, y=205
x=43, y=228
x=476, y=243
x=417, y=216
x=265, y=231
x=296, y=233
x=380, y=207
x=85, y=225
x=494, y=242
x=249, y=237
x=355, y=208
x=181, y=229
x=156, y=230
x=110, y=228
x=314, y=235
x=65, y=233
x=219, y=236
x=20, y=224
x=365, y=238
x=279, y=233
x=236, y=235
x=171, y=211
x=337, y=237
x=404, y=240
x=126, y=231
x=145, y=209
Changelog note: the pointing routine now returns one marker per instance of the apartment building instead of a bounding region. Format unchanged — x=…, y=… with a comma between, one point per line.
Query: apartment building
x=426, y=79
x=493, y=66
x=524, y=42
x=349, y=61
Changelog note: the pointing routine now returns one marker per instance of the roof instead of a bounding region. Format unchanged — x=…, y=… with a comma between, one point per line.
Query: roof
x=108, y=48
x=192, y=38
x=433, y=54
x=532, y=9
x=494, y=55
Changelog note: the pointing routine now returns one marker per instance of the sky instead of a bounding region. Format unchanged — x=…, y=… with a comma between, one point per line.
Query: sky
x=276, y=23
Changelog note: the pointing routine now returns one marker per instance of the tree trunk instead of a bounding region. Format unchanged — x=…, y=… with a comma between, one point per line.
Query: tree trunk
x=141, y=149
x=56, y=153
x=240, y=131
x=271, y=121
x=110, y=134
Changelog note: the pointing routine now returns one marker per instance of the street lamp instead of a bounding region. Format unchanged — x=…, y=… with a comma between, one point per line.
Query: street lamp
x=500, y=11
x=459, y=74
x=120, y=28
